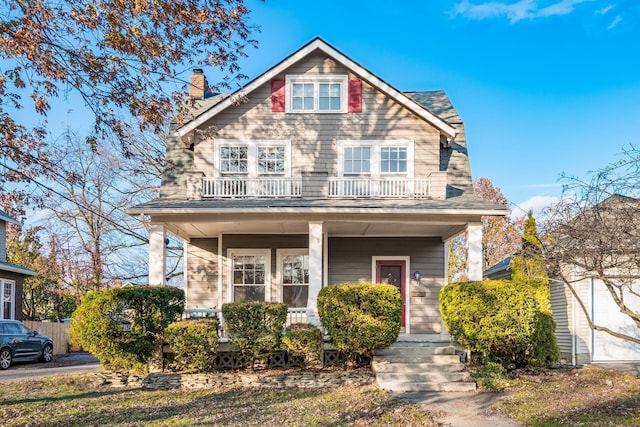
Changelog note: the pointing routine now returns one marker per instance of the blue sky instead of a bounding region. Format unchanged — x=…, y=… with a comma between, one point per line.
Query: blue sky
x=544, y=87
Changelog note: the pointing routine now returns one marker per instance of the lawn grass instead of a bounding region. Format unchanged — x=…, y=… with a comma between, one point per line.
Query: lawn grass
x=73, y=400
x=578, y=397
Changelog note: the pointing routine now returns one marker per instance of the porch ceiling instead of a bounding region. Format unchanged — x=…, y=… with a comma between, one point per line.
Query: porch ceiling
x=201, y=228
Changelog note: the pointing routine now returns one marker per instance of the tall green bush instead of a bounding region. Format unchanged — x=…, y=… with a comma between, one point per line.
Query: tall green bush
x=255, y=328
x=360, y=317
x=123, y=326
x=500, y=320
x=194, y=344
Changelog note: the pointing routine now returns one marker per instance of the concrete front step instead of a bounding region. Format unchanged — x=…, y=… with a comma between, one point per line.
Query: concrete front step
x=438, y=386
x=417, y=358
x=427, y=349
x=421, y=368
x=383, y=366
x=421, y=377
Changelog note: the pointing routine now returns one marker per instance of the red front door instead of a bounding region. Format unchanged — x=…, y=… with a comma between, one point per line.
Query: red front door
x=393, y=273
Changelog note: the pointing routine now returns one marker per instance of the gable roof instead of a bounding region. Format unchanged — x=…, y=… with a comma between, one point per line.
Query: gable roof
x=318, y=43
x=8, y=218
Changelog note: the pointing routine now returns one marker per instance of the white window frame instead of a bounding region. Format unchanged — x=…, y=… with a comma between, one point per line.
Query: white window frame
x=12, y=301
x=251, y=252
x=376, y=158
x=316, y=80
x=252, y=157
x=280, y=254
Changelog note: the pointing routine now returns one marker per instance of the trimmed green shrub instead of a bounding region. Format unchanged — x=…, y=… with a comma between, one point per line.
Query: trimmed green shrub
x=255, y=328
x=194, y=344
x=360, y=317
x=122, y=327
x=500, y=321
x=303, y=341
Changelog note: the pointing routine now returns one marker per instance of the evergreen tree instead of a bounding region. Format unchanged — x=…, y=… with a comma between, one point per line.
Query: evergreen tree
x=528, y=269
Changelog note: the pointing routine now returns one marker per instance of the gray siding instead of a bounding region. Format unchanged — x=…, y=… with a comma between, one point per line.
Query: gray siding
x=178, y=164
x=202, y=273
x=560, y=305
x=350, y=260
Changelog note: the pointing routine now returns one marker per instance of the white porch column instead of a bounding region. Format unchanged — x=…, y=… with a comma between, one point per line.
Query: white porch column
x=157, y=254
x=315, y=270
x=474, y=251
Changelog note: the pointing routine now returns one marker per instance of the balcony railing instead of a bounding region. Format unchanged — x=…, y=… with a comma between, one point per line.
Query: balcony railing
x=251, y=187
x=315, y=186
x=415, y=188
x=294, y=315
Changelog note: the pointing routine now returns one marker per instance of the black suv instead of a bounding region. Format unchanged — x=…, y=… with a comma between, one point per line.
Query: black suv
x=17, y=342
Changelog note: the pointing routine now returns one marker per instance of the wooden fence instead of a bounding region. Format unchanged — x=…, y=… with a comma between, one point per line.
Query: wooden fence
x=58, y=332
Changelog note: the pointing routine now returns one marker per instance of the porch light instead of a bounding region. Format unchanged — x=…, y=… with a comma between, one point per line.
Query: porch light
x=417, y=275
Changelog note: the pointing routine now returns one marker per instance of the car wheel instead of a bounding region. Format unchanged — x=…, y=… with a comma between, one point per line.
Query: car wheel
x=47, y=353
x=5, y=358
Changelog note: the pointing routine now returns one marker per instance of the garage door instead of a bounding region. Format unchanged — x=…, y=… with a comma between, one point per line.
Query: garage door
x=607, y=313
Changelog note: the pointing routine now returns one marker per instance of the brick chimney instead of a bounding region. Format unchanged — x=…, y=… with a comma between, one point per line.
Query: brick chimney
x=199, y=86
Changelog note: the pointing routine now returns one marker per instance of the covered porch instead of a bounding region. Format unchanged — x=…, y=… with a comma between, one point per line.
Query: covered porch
x=344, y=244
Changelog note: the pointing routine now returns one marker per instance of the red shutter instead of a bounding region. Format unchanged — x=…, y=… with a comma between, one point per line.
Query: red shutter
x=355, y=96
x=277, y=95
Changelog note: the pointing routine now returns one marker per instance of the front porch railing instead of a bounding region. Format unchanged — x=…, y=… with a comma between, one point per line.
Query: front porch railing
x=294, y=315
x=251, y=187
x=385, y=187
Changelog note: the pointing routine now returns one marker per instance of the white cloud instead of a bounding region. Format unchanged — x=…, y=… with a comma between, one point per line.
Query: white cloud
x=615, y=22
x=536, y=204
x=605, y=9
x=522, y=9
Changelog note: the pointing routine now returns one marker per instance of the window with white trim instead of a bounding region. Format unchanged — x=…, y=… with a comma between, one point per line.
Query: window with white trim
x=316, y=93
x=7, y=299
x=375, y=158
x=249, y=276
x=293, y=276
x=253, y=158
x=234, y=159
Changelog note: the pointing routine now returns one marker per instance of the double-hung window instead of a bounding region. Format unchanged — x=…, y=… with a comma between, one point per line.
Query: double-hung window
x=250, y=272
x=253, y=158
x=316, y=93
x=375, y=159
x=7, y=299
x=293, y=276
x=234, y=159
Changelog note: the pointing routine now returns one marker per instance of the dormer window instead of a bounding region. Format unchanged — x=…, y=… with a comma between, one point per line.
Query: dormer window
x=316, y=93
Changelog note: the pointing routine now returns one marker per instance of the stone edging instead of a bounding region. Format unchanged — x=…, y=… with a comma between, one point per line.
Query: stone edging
x=299, y=379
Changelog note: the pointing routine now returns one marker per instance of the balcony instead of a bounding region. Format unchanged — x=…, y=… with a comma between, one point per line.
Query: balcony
x=317, y=185
x=251, y=187
x=395, y=188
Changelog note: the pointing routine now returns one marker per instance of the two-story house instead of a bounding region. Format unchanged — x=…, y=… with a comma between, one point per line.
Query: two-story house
x=11, y=276
x=317, y=172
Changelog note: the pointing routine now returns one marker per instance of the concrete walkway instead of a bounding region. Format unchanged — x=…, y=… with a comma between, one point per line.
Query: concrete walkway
x=461, y=409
